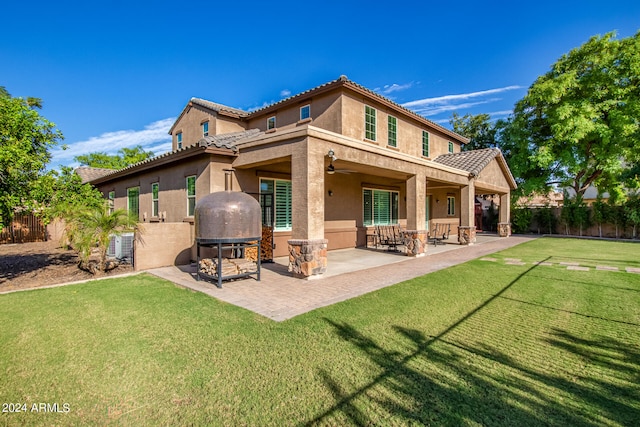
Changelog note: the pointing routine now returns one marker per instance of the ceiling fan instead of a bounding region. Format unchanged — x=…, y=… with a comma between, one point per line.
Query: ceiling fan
x=332, y=169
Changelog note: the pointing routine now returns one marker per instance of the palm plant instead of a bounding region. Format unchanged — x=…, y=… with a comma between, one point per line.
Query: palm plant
x=92, y=228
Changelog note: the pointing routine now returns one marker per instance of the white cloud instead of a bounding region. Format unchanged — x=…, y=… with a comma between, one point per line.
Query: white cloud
x=501, y=113
x=154, y=137
x=285, y=93
x=387, y=89
x=451, y=99
x=439, y=109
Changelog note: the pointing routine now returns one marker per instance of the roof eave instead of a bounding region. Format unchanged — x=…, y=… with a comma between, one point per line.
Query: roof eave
x=164, y=159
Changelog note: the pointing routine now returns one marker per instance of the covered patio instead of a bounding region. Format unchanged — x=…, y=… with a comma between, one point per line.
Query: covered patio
x=338, y=188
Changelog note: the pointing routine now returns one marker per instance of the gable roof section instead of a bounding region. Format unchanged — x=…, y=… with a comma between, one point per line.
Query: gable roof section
x=475, y=161
x=214, y=107
x=87, y=173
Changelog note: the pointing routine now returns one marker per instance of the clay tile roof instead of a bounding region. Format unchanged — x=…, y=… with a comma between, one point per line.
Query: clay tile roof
x=228, y=140
x=218, y=107
x=471, y=161
x=87, y=173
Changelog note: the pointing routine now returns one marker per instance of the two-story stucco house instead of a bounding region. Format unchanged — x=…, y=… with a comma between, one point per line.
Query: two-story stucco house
x=338, y=159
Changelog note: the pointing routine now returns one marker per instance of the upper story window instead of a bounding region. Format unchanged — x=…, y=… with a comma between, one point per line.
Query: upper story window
x=392, y=124
x=205, y=129
x=155, y=190
x=305, y=112
x=425, y=143
x=369, y=123
x=450, y=147
x=179, y=139
x=271, y=123
x=191, y=195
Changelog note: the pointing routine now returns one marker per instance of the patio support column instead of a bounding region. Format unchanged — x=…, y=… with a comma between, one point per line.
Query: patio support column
x=308, y=247
x=467, y=229
x=504, y=223
x=416, y=193
x=415, y=237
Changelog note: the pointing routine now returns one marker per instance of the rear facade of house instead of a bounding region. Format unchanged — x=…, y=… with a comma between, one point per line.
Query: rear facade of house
x=327, y=165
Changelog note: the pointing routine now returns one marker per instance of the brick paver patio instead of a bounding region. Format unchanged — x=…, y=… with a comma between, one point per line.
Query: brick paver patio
x=279, y=296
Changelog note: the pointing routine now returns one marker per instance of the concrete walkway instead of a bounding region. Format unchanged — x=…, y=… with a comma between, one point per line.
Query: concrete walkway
x=350, y=273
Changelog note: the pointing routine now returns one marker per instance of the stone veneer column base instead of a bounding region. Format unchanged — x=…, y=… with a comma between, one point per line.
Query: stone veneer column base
x=504, y=229
x=307, y=258
x=416, y=242
x=466, y=235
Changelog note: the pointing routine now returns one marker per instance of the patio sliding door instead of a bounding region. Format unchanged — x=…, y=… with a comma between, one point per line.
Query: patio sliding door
x=380, y=207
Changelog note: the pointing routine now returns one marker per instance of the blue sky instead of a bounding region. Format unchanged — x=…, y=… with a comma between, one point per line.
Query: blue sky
x=115, y=73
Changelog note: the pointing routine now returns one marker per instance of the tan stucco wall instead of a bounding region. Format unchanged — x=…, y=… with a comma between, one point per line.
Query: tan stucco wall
x=492, y=178
x=409, y=132
x=163, y=244
x=324, y=110
x=190, y=124
x=225, y=124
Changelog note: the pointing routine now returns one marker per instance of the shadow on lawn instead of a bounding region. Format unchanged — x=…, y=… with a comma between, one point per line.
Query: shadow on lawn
x=437, y=382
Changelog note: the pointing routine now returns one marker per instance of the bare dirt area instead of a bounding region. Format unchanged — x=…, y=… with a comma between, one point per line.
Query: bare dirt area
x=31, y=265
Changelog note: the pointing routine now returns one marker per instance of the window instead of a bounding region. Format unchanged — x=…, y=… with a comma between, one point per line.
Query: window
x=205, y=129
x=380, y=207
x=111, y=201
x=155, y=189
x=450, y=147
x=369, y=123
x=281, y=191
x=133, y=201
x=425, y=143
x=392, y=132
x=305, y=112
x=191, y=195
x=179, y=139
x=427, y=203
x=451, y=206
x=271, y=123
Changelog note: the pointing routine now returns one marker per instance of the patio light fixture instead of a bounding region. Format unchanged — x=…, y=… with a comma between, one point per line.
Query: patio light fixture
x=332, y=156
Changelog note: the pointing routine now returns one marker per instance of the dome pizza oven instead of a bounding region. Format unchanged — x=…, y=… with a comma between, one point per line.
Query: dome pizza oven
x=230, y=222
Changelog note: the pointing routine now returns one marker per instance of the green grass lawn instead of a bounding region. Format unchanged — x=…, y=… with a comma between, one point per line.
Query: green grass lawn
x=483, y=343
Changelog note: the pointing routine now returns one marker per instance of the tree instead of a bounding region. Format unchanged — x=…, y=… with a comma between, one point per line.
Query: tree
x=601, y=212
x=478, y=128
x=631, y=210
x=57, y=194
x=25, y=140
x=124, y=158
x=578, y=124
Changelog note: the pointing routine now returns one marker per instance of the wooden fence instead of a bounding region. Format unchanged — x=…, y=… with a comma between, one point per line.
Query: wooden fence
x=24, y=228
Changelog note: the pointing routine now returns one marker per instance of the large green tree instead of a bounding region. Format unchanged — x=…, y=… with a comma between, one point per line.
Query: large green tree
x=478, y=128
x=25, y=140
x=579, y=124
x=60, y=193
x=124, y=158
